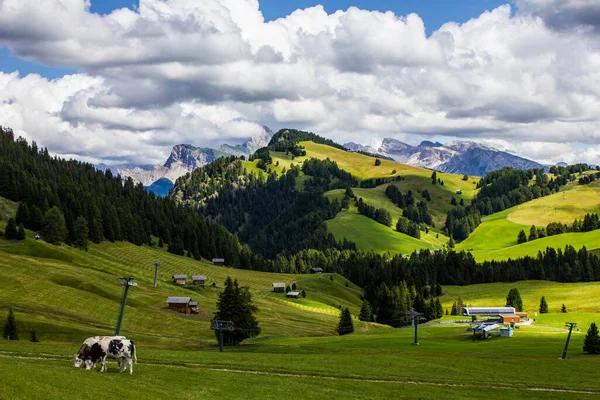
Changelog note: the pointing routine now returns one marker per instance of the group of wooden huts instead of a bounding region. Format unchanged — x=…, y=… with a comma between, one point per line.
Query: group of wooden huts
x=198, y=280
x=279, y=287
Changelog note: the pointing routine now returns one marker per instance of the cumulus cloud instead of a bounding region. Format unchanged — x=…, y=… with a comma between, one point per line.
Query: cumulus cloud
x=213, y=71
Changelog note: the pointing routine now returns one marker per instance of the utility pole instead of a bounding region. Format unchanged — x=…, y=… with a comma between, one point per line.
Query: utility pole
x=156, y=265
x=220, y=327
x=127, y=282
x=415, y=318
x=571, y=325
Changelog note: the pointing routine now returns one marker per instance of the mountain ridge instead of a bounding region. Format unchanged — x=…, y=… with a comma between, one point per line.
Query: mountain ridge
x=460, y=157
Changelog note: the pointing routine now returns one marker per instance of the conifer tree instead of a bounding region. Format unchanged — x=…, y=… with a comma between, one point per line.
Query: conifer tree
x=235, y=304
x=453, y=310
x=80, y=233
x=439, y=310
x=434, y=178
x=366, y=313
x=459, y=306
x=10, y=327
x=294, y=286
x=345, y=326
x=303, y=294
x=513, y=299
x=10, y=231
x=522, y=237
x=33, y=336
x=532, y=233
x=21, y=232
x=451, y=243
x=591, y=343
x=564, y=309
x=543, y=306
x=54, y=229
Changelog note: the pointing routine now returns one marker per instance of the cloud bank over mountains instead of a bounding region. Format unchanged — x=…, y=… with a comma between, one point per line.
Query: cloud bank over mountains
x=207, y=72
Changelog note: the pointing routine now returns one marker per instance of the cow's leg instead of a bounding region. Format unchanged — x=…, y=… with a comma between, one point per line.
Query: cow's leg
x=103, y=364
x=130, y=366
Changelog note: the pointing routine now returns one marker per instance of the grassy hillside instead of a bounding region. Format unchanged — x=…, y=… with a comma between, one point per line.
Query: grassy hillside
x=565, y=206
x=64, y=293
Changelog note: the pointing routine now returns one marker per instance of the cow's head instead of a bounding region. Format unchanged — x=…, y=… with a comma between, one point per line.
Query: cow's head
x=77, y=361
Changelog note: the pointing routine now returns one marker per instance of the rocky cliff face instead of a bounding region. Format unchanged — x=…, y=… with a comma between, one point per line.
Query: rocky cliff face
x=185, y=158
x=461, y=157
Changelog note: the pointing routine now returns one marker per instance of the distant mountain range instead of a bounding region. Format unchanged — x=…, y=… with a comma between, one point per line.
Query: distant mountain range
x=184, y=158
x=459, y=157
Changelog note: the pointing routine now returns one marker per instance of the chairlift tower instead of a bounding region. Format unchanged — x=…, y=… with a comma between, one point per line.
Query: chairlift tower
x=127, y=282
x=221, y=326
x=415, y=317
x=570, y=325
x=156, y=265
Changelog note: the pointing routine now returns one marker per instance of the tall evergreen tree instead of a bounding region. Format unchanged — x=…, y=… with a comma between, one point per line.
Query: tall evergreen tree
x=513, y=299
x=235, y=304
x=522, y=237
x=532, y=233
x=21, y=232
x=563, y=309
x=459, y=306
x=366, y=314
x=439, y=310
x=543, y=306
x=10, y=327
x=80, y=233
x=10, y=231
x=54, y=230
x=345, y=326
x=591, y=343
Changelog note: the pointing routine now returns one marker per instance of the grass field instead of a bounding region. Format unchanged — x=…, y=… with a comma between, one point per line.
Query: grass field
x=564, y=207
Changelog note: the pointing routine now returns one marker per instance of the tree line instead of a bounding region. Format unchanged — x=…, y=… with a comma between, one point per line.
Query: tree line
x=590, y=222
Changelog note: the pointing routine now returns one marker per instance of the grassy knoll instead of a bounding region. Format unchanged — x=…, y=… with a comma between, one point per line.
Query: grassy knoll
x=64, y=293
x=371, y=235
x=363, y=167
x=565, y=206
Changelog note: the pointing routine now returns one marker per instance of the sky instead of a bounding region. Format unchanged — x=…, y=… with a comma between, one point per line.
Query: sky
x=122, y=81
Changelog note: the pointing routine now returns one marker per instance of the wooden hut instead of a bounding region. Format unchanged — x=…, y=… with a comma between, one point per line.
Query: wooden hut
x=199, y=280
x=316, y=270
x=279, y=287
x=218, y=261
x=293, y=295
x=180, y=304
x=179, y=279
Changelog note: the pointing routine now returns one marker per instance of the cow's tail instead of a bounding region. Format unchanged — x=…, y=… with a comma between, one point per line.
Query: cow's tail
x=134, y=353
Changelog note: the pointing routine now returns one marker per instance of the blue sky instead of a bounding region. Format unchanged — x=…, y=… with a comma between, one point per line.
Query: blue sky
x=433, y=12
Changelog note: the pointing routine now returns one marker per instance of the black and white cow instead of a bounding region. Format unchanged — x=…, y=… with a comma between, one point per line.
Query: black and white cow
x=119, y=348
x=86, y=348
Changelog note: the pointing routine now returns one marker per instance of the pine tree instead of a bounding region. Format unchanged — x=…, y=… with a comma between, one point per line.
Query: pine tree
x=434, y=178
x=439, y=310
x=161, y=244
x=33, y=336
x=366, y=313
x=294, y=286
x=453, y=311
x=235, y=304
x=564, y=309
x=10, y=327
x=522, y=237
x=10, y=231
x=80, y=233
x=451, y=243
x=532, y=233
x=303, y=294
x=21, y=232
x=54, y=230
x=591, y=343
x=287, y=289
x=543, y=306
x=513, y=299
x=459, y=306
x=345, y=326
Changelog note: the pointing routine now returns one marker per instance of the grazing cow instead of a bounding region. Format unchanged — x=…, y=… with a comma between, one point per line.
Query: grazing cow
x=86, y=348
x=121, y=349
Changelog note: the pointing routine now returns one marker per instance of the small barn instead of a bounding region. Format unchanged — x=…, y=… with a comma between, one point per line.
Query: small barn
x=279, y=287
x=199, y=280
x=507, y=319
x=316, y=270
x=458, y=191
x=180, y=304
x=293, y=295
x=218, y=261
x=180, y=279
x=194, y=307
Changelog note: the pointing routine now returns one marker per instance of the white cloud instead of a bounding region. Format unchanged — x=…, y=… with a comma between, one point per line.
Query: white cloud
x=206, y=72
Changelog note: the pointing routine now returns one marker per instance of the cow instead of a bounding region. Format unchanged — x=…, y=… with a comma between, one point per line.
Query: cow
x=121, y=349
x=86, y=348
